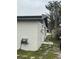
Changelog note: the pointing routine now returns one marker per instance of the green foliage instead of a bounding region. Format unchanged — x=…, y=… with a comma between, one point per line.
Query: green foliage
x=55, y=12
x=55, y=16
x=53, y=5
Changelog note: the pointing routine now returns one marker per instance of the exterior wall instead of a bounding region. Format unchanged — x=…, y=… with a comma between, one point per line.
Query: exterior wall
x=34, y=31
x=27, y=30
x=42, y=33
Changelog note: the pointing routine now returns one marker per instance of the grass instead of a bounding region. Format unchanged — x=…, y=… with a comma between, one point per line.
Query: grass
x=36, y=53
x=50, y=54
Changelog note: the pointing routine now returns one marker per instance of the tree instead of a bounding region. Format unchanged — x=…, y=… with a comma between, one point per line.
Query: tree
x=54, y=8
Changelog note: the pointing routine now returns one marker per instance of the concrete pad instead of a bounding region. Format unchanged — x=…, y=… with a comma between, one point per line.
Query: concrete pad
x=50, y=43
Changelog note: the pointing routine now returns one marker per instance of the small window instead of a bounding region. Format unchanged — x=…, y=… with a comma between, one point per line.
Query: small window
x=24, y=41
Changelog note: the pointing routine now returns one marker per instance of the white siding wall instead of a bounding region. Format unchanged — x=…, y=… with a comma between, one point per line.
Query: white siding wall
x=41, y=35
x=28, y=30
x=33, y=32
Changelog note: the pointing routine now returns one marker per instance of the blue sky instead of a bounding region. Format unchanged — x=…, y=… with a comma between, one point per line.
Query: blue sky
x=31, y=7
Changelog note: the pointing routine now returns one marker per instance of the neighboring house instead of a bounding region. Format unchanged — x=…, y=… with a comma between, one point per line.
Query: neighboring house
x=31, y=32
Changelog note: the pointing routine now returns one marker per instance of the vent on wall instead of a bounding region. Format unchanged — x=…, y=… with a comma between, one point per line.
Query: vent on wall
x=24, y=41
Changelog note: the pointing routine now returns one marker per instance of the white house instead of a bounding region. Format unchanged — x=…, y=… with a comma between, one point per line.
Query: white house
x=31, y=32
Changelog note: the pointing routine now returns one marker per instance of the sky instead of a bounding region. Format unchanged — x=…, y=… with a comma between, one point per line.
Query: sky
x=31, y=7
